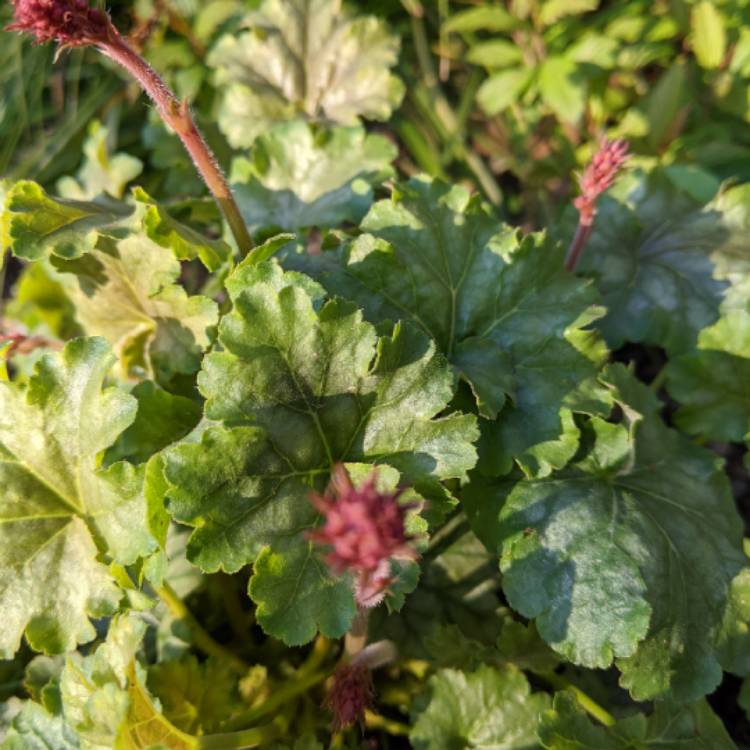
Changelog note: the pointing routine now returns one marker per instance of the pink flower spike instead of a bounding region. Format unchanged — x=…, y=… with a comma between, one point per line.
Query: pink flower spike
x=598, y=176
x=72, y=23
x=364, y=530
x=350, y=695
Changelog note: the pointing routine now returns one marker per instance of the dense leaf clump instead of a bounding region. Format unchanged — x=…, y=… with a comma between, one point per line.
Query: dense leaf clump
x=392, y=438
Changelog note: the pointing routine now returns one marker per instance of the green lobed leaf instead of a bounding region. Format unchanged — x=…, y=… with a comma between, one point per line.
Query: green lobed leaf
x=101, y=171
x=58, y=511
x=603, y=554
x=711, y=383
x=185, y=242
x=42, y=681
x=304, y=58
x=34, y=224
x=301, y=385
x=489, y=708
x=294, y=179
x=124, y=290
x=662, y=261
x=39, y=303
x=501, y=308
x=105, y=701
x=692, y=727
x=162, y=418
x=196, y=697
x=34, y=728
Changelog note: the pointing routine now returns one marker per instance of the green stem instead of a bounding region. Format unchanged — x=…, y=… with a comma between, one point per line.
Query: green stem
x=376, y=721
x=3, y=268
x=356, y=637
x=236, y=740
x=658, y=381
x=445, y=113
x=588, y=704
x=201, y=638
x=318, y=653
x=278, y=698
x=448, y=535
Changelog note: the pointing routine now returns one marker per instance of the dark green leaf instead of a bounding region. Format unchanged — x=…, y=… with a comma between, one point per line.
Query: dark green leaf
x=299, y=386
x=604, y=554
x=692, y=727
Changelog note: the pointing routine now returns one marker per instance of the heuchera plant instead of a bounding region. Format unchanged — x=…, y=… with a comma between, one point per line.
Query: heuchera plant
x=396, y=473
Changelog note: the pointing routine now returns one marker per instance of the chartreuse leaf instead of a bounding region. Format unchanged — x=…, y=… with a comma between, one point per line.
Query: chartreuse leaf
x=488, y=708
x=42, y=681
x=501, y=89
x=663, y=261
x=708, y=34
x=501, y=309
x=563, y=88
x=58, y=512
x=196, y=697
x=553, y=10
x=34, y=224
x=481, y=18
x=304, y=58
x=712, y=383
x=294, y=179
x=683, y=727
x=105, y=701
x=185, y=242
x=101, y=172
x=301, y=385
x=34, y=728
x=603, y=554
x=40, y=303
x=124, y=290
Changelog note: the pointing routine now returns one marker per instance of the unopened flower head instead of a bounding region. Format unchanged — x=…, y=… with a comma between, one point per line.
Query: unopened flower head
x=364, y=530
x=598, y=176
x=72, y=23
x=350, y=695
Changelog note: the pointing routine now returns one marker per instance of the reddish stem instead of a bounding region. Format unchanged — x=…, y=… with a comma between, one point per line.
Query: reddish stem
x=177, y=115
x=583, y=232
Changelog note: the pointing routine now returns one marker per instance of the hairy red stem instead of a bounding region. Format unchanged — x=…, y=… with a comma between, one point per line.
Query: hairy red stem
x=72, y=23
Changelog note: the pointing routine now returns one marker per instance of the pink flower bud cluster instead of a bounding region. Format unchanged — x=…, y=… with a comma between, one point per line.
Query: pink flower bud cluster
x=364, y=530
x=598, y=176
x=73, y=23
x=351, y=693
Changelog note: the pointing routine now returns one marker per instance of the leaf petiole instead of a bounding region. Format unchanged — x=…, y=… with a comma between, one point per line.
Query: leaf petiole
x=588, y=704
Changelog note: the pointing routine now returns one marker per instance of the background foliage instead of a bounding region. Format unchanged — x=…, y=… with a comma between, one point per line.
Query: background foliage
x=576, y=442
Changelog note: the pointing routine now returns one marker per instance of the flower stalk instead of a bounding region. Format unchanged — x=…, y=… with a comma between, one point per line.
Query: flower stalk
x=72, y=23
x=597, y=177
